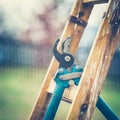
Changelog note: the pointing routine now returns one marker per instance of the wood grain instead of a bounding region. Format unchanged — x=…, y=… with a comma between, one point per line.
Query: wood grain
x=96, y=69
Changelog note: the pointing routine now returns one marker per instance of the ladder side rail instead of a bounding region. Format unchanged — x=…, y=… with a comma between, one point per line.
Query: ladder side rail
x=96, y=68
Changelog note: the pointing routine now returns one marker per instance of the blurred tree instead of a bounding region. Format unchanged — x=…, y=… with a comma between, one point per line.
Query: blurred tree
x=48, y=24
x=1, y=20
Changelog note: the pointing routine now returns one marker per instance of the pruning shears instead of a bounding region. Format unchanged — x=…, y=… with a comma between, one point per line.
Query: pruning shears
x=67, y=75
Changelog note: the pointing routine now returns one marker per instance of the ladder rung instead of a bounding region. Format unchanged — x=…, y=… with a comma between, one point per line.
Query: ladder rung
x=95, y=1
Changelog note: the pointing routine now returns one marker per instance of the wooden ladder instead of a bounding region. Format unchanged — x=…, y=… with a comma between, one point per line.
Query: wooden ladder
x=96, y=68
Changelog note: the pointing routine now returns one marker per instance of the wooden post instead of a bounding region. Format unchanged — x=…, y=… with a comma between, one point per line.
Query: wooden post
x=96, y=68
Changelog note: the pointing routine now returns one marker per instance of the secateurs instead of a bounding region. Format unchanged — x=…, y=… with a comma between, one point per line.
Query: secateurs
x=68, y=74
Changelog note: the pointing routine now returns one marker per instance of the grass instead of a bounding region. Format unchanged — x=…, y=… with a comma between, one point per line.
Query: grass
x=18, y=91
x=19, y=88
x=112, y=98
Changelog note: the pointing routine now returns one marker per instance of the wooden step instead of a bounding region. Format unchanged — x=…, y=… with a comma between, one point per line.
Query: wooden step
x=95, y=1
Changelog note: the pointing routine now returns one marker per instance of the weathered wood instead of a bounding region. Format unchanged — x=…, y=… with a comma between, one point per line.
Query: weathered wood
x=96, y=68
x=95, y=1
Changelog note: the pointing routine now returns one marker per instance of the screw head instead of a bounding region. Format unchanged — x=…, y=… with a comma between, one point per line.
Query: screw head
x=71, y=82
x=77, y=67
x=61, y=70
x=67, y=58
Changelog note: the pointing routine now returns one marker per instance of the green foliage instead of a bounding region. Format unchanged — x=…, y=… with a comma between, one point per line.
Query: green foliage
x=19, y=88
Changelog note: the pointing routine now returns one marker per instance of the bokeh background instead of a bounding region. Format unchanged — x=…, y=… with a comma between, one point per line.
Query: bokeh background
x=28, y=30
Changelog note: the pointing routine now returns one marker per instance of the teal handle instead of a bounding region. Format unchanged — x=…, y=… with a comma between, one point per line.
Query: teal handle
x=55, y=100
x=59, y=90
x=106, y=110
